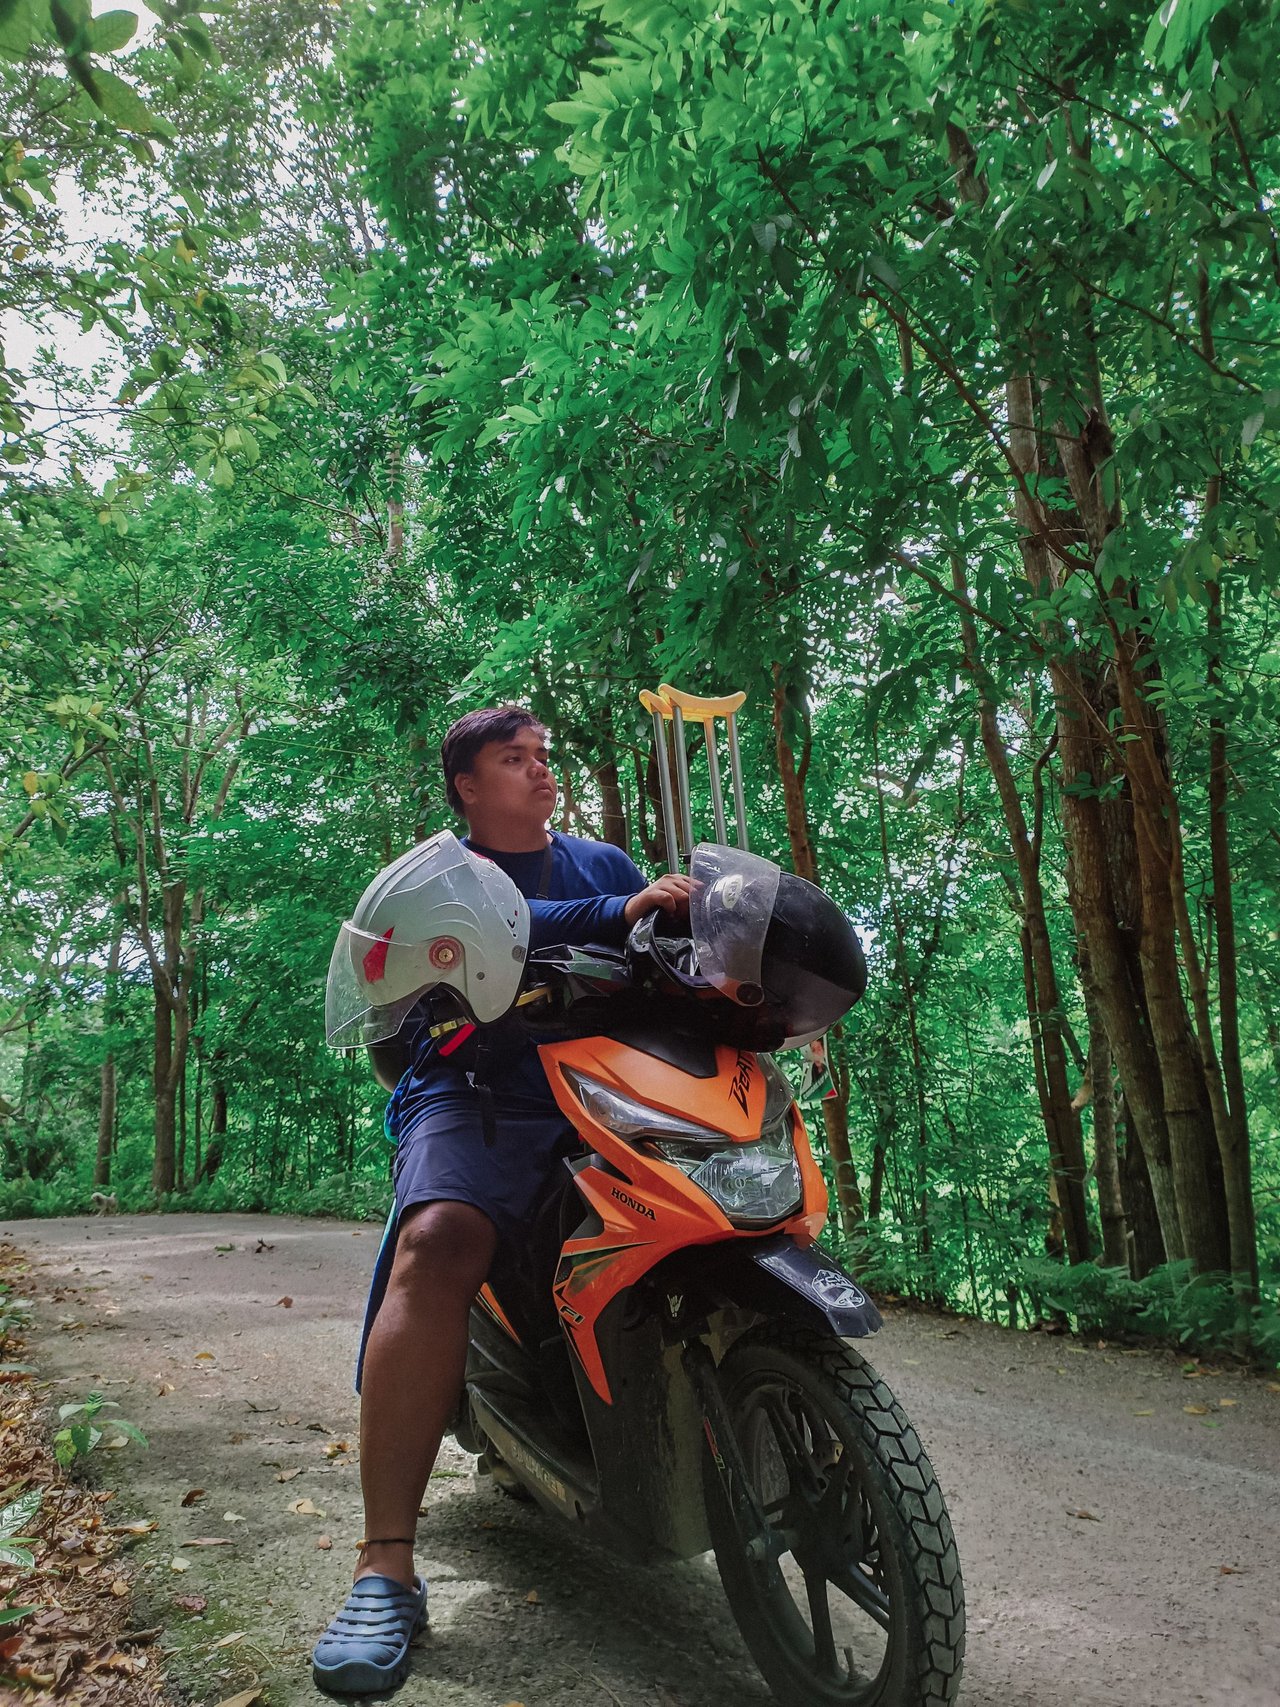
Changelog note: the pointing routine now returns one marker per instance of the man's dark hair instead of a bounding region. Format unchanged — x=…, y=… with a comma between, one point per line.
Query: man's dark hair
x=466, y=737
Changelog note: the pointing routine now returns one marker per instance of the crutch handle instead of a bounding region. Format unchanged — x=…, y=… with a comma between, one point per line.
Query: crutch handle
x=698, y=709
x=655, y=704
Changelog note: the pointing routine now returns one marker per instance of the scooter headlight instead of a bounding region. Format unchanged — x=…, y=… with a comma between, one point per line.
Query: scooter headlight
x=754, y=1184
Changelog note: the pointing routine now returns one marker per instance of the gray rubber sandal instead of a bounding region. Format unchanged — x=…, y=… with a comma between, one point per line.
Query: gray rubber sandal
x=365, y=1650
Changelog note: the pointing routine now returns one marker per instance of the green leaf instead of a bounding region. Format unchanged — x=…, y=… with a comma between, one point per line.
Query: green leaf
x=19, y=1514
x=123, y=105
x=572, y=112
x=112, y=31
x=11, y=1614
x=196, y=31
x=16, y=27
x=131, y=1431
x=878, y=166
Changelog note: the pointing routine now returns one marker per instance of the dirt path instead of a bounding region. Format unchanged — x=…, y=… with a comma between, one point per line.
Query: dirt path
x=1167, y=1599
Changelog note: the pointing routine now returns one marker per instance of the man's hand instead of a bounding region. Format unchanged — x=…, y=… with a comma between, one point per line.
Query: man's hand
x=670, y=894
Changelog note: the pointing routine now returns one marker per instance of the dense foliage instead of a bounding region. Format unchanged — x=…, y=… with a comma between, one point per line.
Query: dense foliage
x=914, y=369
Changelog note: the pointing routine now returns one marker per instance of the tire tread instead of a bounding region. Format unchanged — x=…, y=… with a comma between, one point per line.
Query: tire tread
x=933, y=1560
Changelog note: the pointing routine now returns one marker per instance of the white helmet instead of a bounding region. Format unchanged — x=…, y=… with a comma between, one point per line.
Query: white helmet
x=437, y=915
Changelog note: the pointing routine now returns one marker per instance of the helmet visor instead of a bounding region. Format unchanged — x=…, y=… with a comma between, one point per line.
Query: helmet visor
x=373, y=983
x=729, y=913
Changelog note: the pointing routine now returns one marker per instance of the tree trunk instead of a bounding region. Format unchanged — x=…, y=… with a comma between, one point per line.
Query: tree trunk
x=1144, y=1241
x=107, y=1075
x=163, y=1085
x=1106, y=1158
x=1152, y=1056
x=1193, y=1146
x=1233, y=1138
x=924, y=1232
x=1146, y=1249
x=217, y=1122
x=1044, y=1003
x=875, y=1193
x=106, y=1122
x=613, y=820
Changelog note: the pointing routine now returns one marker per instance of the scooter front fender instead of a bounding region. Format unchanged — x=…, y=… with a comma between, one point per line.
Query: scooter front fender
x=780, y=1278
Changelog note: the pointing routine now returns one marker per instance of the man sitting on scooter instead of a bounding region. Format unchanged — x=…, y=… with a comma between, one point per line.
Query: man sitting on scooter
x=457, y=1196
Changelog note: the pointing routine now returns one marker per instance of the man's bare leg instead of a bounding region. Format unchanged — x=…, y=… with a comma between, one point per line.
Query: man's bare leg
x=413, y=1369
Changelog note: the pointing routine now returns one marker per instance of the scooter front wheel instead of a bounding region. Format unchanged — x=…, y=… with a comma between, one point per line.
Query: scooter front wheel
x=853, y=1598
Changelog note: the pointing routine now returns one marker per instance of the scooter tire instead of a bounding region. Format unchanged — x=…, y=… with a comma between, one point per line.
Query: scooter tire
x=848, y=1435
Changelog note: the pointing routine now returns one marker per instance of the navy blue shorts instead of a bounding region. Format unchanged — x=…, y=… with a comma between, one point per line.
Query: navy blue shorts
x=443, y=1157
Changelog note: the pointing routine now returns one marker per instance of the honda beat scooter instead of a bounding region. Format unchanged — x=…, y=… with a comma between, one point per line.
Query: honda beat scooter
x=671, y=1363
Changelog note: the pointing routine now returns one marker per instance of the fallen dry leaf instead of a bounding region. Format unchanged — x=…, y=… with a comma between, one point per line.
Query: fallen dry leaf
x=335, y=1448
x=209, y=1541
x=317, y=1428
x=141, y=1526
x=232, y=1517
x=324, y=1543
x=164, y=1388
x=1227, y=1403
x=1144, y=1413
x=119, y=1588
x=190, y=1602
x=531, y=1599
x=1230, y=1571
x=1196, y=1410
x=204, y=1357
x=1084, y=1516
x=246, y=1697
x=192, y=1495
x=285, y=1303
x=288, y=1475
x=179, y=1564
x=305, y=1508
x=226, y=1641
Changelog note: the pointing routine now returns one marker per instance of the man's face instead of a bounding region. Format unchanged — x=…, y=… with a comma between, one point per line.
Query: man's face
x=511, y=779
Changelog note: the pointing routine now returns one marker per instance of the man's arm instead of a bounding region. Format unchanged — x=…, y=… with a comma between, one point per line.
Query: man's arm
x=605, y=919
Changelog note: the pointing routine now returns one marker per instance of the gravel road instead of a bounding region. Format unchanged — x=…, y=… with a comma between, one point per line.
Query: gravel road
x=1119, y=1549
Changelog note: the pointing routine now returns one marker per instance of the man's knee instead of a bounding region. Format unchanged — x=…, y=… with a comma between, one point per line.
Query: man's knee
x=445, y=1245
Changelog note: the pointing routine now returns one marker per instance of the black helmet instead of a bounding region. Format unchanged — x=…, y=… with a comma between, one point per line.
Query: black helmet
x=812, y=969
x=773, y=942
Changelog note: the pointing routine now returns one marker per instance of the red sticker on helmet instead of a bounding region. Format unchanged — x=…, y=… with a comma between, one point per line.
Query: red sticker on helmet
x=375, y=961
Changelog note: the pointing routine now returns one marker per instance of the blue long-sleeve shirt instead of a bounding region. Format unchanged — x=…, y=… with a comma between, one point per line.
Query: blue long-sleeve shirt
x=588, y=887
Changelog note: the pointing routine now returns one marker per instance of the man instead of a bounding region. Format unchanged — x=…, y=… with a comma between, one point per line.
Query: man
x=456, y=1197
